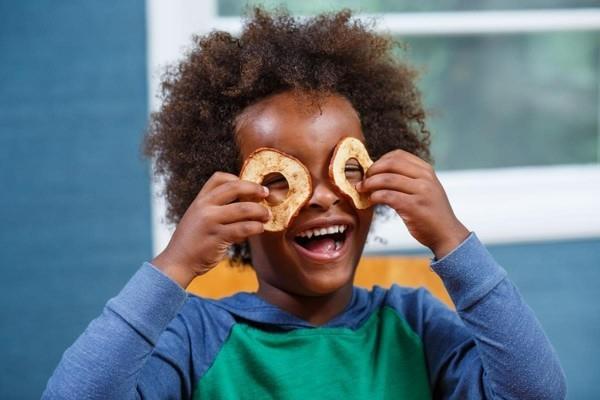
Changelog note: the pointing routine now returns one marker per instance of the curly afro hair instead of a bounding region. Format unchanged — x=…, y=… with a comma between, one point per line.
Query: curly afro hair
x=193, y=134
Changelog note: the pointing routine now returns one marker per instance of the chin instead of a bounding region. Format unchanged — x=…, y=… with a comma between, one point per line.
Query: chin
x=328, y=279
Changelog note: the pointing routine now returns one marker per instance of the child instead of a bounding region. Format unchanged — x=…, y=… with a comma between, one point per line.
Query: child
x=299, y=87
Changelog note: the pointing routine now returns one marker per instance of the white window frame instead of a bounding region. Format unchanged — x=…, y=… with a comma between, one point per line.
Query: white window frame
x=503, y=205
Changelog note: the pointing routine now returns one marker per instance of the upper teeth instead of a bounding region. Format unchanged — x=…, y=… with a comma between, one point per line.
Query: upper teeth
x=323, y=231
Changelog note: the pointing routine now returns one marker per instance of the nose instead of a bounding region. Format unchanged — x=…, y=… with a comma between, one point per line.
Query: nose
x=323, y=196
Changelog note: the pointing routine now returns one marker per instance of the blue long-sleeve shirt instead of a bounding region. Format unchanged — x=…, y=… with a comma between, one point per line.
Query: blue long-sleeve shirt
x=154, y=341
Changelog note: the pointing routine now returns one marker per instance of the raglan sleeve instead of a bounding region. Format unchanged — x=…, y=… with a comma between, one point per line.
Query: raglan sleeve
x=493, y=346
x=138, y=334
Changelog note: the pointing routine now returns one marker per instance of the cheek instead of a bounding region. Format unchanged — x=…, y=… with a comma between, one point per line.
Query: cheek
x=365, y=217
x=266, y=245
x=268, y=255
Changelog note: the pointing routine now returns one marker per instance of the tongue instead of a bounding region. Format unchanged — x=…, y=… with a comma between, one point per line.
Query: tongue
x=325, y=245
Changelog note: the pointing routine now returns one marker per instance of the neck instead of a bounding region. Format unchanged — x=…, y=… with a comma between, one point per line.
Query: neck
x=316, y=310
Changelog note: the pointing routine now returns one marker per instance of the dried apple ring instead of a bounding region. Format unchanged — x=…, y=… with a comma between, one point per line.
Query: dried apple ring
x=346, y=149
x=264, y=161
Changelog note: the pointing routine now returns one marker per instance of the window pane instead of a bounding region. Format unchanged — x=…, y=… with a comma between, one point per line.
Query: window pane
x=510, y=100
x=235, y=7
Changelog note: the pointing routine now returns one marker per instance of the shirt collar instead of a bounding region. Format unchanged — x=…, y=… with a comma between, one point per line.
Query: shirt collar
x=255, y=310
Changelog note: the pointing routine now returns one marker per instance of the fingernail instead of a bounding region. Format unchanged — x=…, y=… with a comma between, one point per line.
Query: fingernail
x=266, y=190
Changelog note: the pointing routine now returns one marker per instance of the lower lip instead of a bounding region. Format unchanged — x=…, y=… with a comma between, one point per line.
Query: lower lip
x=325, y=257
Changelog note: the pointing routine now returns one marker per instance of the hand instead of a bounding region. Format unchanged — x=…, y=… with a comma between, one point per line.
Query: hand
x=409, y=185
x=224, y=212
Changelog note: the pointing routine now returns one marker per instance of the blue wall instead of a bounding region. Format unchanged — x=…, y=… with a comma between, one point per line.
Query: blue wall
x=560, y=281
x=74, y=197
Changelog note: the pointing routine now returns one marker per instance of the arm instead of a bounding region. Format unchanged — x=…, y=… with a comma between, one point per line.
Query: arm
x=104, y=362
x=119, y=356
x=503, y=353
x=497, y=349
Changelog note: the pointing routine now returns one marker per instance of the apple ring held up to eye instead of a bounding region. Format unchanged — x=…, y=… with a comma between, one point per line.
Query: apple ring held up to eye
x=264, y=161
x=346, y=149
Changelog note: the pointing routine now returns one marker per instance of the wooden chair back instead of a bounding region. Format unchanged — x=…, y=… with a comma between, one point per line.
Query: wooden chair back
x=224, y=280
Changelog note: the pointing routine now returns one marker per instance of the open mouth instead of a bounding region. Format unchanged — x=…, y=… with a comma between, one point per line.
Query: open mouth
x=323, y=243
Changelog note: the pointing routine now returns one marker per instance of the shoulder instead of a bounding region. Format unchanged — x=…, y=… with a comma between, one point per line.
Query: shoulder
x=407, y=299
x=205, y=315
x=202, y=328
x=419, y=308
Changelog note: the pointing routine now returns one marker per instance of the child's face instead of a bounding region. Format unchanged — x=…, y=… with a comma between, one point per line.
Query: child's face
x=310, y=135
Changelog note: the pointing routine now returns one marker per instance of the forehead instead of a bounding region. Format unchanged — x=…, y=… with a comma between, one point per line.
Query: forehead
x=297, y=125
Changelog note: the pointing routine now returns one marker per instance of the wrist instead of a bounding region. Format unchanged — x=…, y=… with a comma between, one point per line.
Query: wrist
x=450, y=242
x=181, y=274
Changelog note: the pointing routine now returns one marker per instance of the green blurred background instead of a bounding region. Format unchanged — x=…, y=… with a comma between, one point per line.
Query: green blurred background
x=504, y=99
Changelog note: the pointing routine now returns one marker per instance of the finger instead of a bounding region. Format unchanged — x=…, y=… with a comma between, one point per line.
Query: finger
x=397, y=200
x=237, y=190
x=389, y=181
x=243, y=211
x=262, y=193
x=215, y=180
x=393, y=165
x=407, y=156
x=240, y=231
